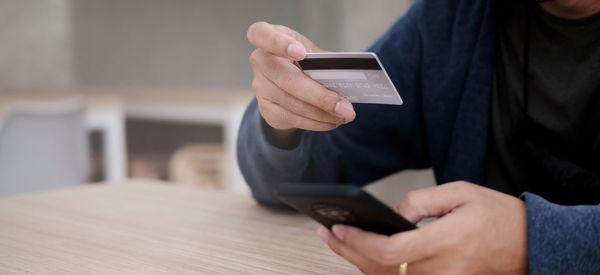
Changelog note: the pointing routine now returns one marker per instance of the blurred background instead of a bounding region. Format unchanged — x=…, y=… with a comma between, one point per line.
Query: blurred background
x=112, y=89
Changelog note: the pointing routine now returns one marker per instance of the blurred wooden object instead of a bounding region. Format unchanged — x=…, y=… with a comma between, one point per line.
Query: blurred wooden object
x=146, y=227
x=199, y=165
x=207, y=107
x=149, y=166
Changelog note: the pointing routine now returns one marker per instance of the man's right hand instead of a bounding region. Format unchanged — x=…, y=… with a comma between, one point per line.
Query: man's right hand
x=288, y=99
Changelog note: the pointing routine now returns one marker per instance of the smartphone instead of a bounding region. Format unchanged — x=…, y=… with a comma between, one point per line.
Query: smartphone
x=342, y=204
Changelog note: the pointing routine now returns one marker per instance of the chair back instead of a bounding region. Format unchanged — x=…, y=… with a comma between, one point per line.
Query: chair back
x=43, y=145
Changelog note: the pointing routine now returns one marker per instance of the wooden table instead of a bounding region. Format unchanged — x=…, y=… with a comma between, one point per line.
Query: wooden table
x=148, y=227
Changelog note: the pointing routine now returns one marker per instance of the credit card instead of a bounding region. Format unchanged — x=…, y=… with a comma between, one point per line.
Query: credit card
x=357, y=76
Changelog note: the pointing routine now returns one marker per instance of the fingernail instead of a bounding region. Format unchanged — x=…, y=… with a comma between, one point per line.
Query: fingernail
x=323, y=234
x=345, y=109
x=296, y=51
x=339, y=231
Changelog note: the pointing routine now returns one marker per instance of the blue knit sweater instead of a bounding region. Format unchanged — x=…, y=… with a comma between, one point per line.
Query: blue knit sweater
x=439, y=56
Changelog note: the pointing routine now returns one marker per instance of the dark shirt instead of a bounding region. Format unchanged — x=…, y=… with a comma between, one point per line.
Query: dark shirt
x=552, y=146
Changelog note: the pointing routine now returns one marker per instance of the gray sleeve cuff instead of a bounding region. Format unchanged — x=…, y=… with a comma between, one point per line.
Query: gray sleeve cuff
x=290, y=161
x=263, y=164
x=562, y=239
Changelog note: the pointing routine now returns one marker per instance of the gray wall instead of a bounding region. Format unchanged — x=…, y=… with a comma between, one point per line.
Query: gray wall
x=166, y=44
x=35, y=44
x=177, y=43
x=362, y=22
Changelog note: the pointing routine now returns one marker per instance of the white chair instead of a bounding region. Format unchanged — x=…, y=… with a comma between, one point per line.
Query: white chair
x=43, y=145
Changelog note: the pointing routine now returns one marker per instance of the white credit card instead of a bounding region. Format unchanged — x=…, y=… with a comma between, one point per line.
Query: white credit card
x=357, y=76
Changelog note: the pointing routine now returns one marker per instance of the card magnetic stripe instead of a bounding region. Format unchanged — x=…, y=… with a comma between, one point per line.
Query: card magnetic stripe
x=339, y=64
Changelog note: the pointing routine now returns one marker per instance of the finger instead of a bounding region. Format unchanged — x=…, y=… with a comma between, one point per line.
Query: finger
x=273, y=93
x=408, y=246
x=365, y=264
x=308, y=45
x=282, y=119
x=290, y=79
x=271, y=39
x=435, y=201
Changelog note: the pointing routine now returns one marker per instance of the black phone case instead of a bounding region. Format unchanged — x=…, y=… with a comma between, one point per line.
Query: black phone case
x=342, y=204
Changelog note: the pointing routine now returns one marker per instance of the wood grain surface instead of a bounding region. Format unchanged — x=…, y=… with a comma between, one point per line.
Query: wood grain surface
x=143, y=227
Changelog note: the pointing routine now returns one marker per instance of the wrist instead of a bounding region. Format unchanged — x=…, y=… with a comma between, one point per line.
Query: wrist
x=284, y=139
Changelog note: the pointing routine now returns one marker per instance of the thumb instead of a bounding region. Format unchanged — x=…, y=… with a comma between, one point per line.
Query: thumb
x=435, y=201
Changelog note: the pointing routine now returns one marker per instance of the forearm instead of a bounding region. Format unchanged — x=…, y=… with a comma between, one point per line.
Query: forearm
x=263, y=164
x=562, y=239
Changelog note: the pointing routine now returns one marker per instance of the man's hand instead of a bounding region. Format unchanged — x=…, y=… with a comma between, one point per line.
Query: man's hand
x=287, y=98
x=481, y=231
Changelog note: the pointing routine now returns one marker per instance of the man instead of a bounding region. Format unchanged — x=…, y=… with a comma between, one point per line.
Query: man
x=501, y=99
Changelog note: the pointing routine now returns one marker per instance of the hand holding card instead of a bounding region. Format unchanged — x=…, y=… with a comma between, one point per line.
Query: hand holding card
x=287, y=98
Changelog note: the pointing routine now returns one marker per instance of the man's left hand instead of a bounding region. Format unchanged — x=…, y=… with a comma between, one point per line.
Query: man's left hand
x=480, y=231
